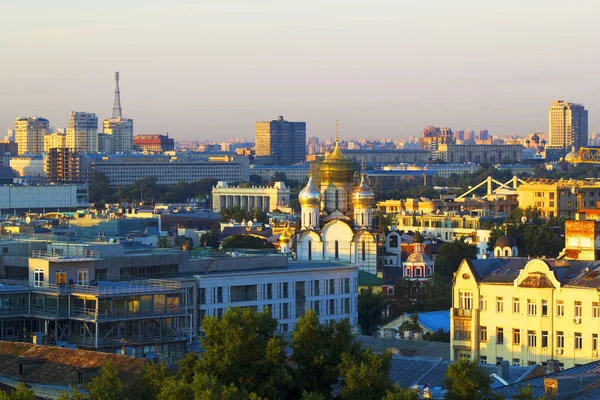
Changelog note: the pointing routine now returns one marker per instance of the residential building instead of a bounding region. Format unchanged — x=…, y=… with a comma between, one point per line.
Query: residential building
x=42, y=198
x=54, y=141
x=443, y=170
x=121, y=130
x=431, y=139
x=65, y=165
x=28, y=165
x=388, y=156
x=264, y=198
x=82, y=133
x=292, y=172
x=29, y=134
x=567, y=129
x=281, y=142
x=154, y=143
x=480, y=153
x=8, y=150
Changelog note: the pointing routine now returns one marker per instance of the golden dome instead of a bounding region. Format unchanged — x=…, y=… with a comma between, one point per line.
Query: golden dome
x=310, y=195
x=286, y=235
x=337, y=167
x=363, y=195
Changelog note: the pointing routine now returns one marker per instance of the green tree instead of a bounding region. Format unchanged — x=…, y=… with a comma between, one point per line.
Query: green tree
x=312, y=396
x=451, y=254
x=524, y=394
x=152, y=378
x=74, y=395
x=188, y=366
x=176, y=389
x=467, y=380
x=417, y=237
x=108, y=385
x=242, y=241
x=100, y=190
x=211, y=238
x=438, y=336
x=370, y=310
x=541, y=241
x=398, y=393
x=410, y=325
x=317, y=351
x=241, y=350
x=366, y=376
x=20, y=393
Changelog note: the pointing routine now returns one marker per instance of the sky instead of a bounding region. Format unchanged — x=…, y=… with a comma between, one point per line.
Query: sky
x=207, y=69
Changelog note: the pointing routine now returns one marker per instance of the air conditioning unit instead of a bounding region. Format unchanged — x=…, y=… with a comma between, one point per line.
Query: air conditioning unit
x=559, y=351
x=594, y=353
x=577, y=320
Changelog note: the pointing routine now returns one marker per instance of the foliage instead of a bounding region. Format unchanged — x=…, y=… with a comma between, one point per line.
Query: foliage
x=410, y=325
x=451, y=254
x=318, y=352
x=211, y=238
x=20, y=393
x=398, y=393
x=370, y=310
x=75, y=395
x=524, y=394
x=187, y=367
x=107, y=385
x=417, y=237
x=240, y=214
x=467, y=380
x=438, y=336
x=176, y=389
x=99, y=190
x=312, y=396
x=240, y=349
x=245, y=242
x=365, y=376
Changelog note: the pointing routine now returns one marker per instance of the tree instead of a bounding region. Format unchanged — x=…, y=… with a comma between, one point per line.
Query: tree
x=438, y=336
x=242, y=241
x=370, y=310
x=211, y=238
x=451, y=254
x=188, y=366
x=176, y=389
x=20, y=393
x=417, y=237
x=317, y=351
x=151, y=381
x=366, y=376
x=410, y=325
x=99, y=191
x=524, y=394
x=75, y=395
x=107, y=385
x=241, y=350
x=398, y=393
x=312, y=396
x=467, y=380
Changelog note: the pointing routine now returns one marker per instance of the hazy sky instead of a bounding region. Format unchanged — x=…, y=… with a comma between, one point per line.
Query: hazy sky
x=208, y=69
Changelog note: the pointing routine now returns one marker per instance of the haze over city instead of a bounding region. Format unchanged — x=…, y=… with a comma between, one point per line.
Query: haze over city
x=209, y=70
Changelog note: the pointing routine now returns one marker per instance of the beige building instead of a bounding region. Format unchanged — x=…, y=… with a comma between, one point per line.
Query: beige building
x=54, y=141
x=121, y=130
x=480, y=153
x=82, y=133
x=29, y=134
x=530, y=311
x=567, y=126
x=262, y=197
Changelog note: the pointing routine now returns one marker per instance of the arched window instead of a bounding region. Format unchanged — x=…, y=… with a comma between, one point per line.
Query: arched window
x=310, y=249
x=507, y=252
x=418, y=272
x=428, y=271
x=310, y=218
x=385, y=261
x=337, y=248
x=364, y=255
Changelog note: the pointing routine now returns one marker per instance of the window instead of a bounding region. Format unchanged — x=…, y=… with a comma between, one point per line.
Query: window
x=462, y=329
x=244, y=293
x=578, y=341
x=346, y=285
x=531, y=339
x=499, y=335
x=483, y=335
x=516, y=362
x=202, y=295
x=594, y=341
x=337, y=248
x=595, y=310
x=332, y=286
x=577, y=310
x=331, y=306
x=560, y=308
x=516, y=336
x=516, y=305
x=499, y=304
x=466, y=300
x=82, y=277
x=483, y=359
x=61, y=277
x=219, y=294
x=560, y=339
x=483, y=303
x=316, y=288
x=285, y=311
x=347, y=305
x=317, y=307
x=544, y=339
x=269, y=294
x=38, y=277
x=531, y=307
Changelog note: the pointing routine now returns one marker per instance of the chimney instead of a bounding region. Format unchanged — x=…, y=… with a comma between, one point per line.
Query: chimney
x=502, y=370
x=566, y=386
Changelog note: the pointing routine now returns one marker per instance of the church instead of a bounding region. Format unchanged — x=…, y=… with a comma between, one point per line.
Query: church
x=336, y=217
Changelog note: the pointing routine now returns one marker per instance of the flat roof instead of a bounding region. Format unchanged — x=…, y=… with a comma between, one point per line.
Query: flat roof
x=293, y=266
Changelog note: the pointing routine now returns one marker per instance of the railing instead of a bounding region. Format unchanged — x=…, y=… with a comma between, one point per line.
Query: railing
x=461, y=312
x=70, y=254
x=5, y=312
x=91, y=314
x=121, y=287
x=133, y=340
x=42, y=310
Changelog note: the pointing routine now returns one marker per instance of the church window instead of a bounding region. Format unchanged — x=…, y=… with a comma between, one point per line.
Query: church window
x=310, y=249
x=310, y=218
x=507, y=252
x=418, y=272
x=363, y=251
x=393, y=240
x=384, y=261
x=428, y=271
x=408, y=272
x=337, y=249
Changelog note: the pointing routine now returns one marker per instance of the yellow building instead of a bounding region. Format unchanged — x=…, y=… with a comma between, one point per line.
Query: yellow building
x=54, y=141
x=29, y=134
x=527, y=311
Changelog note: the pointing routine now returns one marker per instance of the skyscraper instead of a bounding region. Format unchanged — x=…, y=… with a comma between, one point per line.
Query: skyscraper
x=29, y=134
x=118, y=130
x=82, y=133
x=281, y=142
x=567, y=127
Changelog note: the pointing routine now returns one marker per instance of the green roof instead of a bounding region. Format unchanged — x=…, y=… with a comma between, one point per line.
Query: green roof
x=367, y=279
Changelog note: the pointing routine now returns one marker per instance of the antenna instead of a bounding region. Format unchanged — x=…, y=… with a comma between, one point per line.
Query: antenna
x=117, y=111
x=337, y=131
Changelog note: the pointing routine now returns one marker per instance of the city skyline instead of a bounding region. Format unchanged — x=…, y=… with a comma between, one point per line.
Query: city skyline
x=381, y=71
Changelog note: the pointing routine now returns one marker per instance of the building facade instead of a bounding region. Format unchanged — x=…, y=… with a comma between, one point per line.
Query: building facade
x=292, y=172
x=388, y=156
x=64, y=165
x=82, y=133
x=281, y=142
x=50, y=197
x=29, y=134
x=28, y=165
x=257, y=197
x=120, y=130
x=54, y=141
x=154, y=143
x=480, y=153
x=567, y=128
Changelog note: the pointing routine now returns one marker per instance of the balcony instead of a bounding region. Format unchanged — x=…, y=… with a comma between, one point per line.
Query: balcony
x=462, y=312
x=90, y=314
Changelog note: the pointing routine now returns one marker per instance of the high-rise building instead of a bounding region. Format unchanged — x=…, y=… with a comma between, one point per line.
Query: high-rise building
x=281, y=142
x=64, y=165
x=567, y=127
x=54, y=141
x=82, y=133
x=121, y=129
x=432, y=137
x=29, y=134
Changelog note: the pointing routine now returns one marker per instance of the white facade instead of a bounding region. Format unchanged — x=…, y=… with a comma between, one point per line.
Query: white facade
x=29, y=134
x=82, y=133
x=122, y=131
x=43, y=197
x=330, y=289
x=28, y=165
x=293, y=172
x=262, y=197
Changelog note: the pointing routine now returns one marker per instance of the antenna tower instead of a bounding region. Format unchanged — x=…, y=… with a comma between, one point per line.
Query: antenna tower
x=117, y=112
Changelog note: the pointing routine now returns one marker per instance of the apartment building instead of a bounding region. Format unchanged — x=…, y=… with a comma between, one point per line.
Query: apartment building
x=120, y=131
x=82, y=133
x=29, y=134
x=54, y=141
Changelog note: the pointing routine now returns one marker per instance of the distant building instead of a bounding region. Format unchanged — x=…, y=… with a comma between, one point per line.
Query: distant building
x=32, y=165
x=54, y=141
x=64, y=165
x=50, y=197
x=29, y=134
x=292, y=172
x=281, y=142
x=121, y=132
x=480, y=153
x=432, y=137
x=7, y=151
x=82, y=133
x=257, y=197
x=388, y=156
x=154, y=143
x=567, y=128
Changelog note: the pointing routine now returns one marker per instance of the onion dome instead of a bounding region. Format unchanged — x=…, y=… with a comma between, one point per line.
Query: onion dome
x=363, y=195
x=310, y=196
x=535, y=138
x=418, y=258
x=571, y=157
x=506, y=241
x=286, y=235
x=337, y=167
